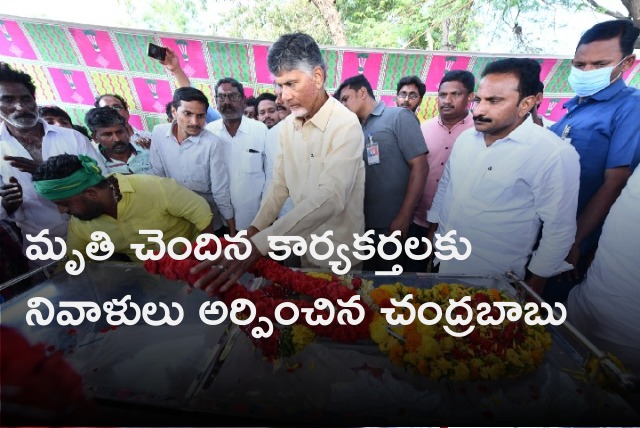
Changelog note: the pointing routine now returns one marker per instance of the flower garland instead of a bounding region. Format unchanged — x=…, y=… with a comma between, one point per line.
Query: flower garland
x=287, y=286
x=488, y=352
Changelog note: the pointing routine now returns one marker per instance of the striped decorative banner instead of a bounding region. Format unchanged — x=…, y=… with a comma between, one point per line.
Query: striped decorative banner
x=71, y=64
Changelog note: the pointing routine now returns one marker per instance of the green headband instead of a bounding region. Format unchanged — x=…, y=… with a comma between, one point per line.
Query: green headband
x=62, y=188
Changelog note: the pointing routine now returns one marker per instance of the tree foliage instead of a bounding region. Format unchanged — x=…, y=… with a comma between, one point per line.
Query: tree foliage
x=521, y=25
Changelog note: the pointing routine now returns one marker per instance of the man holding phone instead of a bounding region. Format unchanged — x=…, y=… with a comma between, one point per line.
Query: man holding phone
x=169, y=59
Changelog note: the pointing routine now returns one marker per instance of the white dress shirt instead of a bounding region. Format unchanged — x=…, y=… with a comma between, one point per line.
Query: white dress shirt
x=499, y=196
x=197, y=164
x=245, y=158
x=37, y=213
x=605, y=305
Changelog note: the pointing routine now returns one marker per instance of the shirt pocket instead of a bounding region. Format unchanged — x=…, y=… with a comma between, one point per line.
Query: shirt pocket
x=199, y=178
x=252, y=162
x=493, y=189
x=593, y=148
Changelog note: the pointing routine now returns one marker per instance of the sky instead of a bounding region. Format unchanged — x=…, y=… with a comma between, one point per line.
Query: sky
x=557, y=36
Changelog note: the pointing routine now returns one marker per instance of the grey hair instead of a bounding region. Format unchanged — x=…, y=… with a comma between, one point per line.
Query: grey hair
x=296, y=51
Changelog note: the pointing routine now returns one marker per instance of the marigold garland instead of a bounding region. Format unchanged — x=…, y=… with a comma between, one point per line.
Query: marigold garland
x=489, y=352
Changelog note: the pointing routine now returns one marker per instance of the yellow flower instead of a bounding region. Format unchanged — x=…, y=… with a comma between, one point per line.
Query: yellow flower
x=437, y=355
x=301, y=336
x=321, y=275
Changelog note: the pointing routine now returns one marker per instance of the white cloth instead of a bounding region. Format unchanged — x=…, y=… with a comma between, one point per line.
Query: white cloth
x=498, y=197
x=245, y=158
x=605, y=306
x=273, y=149
x=546, y=122
x=37, y=213
x=197, y=164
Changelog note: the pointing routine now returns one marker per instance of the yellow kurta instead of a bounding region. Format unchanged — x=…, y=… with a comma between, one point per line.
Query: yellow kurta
x=147, y=202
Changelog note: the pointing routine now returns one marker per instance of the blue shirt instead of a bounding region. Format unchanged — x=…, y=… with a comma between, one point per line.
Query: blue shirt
x=605, y=131
x=212, y=114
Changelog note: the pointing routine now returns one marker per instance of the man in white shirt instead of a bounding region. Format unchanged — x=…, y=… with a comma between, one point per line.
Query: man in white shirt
x=506, y=180
x=605, y=306
x=194, y=157
x=243, y=141
x=25, y=142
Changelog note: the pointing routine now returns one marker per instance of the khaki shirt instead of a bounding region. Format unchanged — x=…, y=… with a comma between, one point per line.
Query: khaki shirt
x=320, y=167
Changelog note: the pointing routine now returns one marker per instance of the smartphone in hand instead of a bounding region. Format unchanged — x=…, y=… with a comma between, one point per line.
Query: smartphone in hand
x=157, y=52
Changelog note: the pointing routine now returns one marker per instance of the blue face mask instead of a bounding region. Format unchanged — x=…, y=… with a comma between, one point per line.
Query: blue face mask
x=587, y=83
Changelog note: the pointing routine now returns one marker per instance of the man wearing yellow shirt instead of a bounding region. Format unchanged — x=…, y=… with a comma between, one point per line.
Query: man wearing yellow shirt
x=120, y=205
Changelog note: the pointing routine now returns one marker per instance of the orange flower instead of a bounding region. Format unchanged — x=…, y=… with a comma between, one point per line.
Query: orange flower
x=378, y=295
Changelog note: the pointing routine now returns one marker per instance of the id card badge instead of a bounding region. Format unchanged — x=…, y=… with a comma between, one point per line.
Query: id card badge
x=373, y=152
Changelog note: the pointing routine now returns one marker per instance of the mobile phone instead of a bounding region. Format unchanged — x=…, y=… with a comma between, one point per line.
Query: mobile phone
x=157, y=52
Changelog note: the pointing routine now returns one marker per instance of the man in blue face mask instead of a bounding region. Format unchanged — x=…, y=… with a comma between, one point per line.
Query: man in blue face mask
x=603, y=124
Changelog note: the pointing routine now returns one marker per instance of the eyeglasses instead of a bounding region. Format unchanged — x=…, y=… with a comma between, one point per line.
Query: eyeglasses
x=117, y=107
x=231, y=97
x=412, y=96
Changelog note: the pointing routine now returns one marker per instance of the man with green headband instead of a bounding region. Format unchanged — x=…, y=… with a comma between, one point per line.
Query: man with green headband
x=120, y=205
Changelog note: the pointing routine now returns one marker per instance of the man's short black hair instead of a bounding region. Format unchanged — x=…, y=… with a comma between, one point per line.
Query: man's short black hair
x=412, y=80
x=356, y=82
x=188, y=93
x=463, y=76
x=9, y=75
x=264, y=96
x=250, y=101
x=526, y=70
x=54, y=111
x=81, y=129
x=540, y=87
x=116, y=96
x=60, y=166
x=167, y=110
x=102, y=117
x=608, y=30
x=233, y=82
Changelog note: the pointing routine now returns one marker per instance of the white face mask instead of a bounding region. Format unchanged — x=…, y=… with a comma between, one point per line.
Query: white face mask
x=587, y=83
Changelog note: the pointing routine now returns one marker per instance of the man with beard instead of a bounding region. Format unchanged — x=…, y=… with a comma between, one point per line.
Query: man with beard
x=267, y=110
x=243, y=142
x=120, y=205
x=108, y=129
x=116, y=102
x=25, y=142
x=320, y=166
x=507, y=181
x=193, y=156
x=454, y=95
x=409, y=93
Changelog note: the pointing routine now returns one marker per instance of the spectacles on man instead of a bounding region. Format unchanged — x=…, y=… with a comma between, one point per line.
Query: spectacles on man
x=411, y=95
x=231, y=97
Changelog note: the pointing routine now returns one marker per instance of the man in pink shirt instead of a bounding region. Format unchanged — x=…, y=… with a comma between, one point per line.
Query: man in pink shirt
x=454, y=95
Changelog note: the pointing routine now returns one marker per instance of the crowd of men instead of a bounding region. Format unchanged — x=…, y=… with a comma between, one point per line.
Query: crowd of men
x=531, y=196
